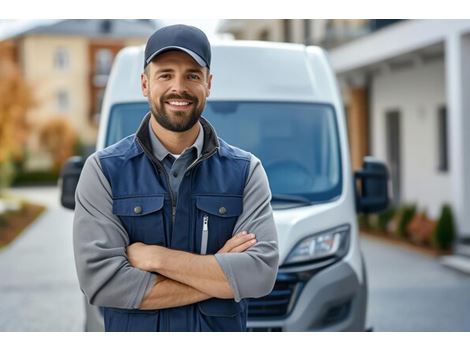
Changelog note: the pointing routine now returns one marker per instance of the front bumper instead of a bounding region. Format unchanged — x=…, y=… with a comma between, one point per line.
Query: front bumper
x=332, y=299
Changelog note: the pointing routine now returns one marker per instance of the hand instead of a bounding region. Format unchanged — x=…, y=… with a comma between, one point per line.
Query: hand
x=239, y=243
x=144, y=256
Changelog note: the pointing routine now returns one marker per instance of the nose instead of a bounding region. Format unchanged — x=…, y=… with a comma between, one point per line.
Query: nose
x=179, y=84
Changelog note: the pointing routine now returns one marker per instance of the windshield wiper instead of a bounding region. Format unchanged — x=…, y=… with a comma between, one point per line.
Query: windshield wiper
x=290, y=198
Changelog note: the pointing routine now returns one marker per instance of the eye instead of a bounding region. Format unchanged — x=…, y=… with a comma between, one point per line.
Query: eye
x=164, y=76
x=193, y=76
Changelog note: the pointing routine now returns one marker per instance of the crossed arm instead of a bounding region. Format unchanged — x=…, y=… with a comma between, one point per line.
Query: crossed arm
x=185, y=278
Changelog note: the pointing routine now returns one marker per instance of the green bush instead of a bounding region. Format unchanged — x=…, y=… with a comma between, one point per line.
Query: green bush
x=33, y=178
x=3, y=220
x=406, y=214
x=444, y=233
x=79, y=147
x=384, y=218
x=363, y=221
x=7, y=173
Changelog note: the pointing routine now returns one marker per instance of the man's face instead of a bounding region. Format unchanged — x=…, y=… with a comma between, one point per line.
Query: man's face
x=176, y=88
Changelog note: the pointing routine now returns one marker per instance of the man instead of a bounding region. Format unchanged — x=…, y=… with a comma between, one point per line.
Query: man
x=165, y=220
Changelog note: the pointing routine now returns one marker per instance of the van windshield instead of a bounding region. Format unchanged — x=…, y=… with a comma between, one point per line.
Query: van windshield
x=297, y=143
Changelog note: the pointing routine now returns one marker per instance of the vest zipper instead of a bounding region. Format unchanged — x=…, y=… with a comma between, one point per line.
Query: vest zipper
x=205, y=234
x=159, y=168
x=197, y=161
x=172, y=196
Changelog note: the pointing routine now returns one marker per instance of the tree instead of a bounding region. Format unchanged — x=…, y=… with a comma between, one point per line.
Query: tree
x=59, y=139
x=15, y=100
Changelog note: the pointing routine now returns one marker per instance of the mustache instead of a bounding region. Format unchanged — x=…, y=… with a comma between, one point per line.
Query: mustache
x=184, y=96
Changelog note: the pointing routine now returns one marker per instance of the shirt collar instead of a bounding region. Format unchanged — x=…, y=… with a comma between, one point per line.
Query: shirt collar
x=159, y=150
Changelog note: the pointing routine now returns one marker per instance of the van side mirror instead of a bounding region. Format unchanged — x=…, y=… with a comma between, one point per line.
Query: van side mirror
x=69, y=179
x=371, y=185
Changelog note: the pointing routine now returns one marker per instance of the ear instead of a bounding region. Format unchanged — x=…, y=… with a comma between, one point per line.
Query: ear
x=209, y=85
x=144, y=84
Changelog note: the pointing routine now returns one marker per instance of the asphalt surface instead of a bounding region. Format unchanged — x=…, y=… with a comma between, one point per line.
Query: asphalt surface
x=412, y=291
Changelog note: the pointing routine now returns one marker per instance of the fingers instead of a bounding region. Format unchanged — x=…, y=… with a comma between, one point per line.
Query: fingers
x=243, y=247
x=237, y=242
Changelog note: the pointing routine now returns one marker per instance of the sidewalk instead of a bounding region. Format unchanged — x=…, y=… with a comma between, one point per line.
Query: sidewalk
x=38, y=285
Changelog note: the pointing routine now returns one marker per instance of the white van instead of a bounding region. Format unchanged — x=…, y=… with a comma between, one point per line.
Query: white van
x=280, y=102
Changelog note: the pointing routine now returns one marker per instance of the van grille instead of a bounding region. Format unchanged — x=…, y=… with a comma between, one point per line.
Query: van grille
x=278, y=303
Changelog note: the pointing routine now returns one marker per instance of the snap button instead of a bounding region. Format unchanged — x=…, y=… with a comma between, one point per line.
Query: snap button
x=222, y=211
x=138, y=210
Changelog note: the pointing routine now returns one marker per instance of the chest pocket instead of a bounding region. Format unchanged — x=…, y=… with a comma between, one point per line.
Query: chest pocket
x=143, y=218
x=216, y=217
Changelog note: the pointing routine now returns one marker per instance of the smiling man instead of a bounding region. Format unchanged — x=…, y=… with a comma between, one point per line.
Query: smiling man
x=173, y=227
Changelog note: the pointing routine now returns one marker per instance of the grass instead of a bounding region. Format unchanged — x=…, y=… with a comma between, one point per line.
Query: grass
x=13, y=223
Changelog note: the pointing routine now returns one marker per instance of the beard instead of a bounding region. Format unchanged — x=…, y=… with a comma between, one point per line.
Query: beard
x=182, y=120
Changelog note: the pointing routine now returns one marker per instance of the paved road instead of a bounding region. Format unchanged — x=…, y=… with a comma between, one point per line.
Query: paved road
x=411, y=291
x=38, y=285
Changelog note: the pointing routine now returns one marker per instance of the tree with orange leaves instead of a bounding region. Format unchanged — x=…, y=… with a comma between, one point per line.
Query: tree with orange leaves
x=15, y=100
x=58, y=138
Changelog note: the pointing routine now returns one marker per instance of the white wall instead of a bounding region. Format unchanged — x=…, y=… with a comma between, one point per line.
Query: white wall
x=417, y=92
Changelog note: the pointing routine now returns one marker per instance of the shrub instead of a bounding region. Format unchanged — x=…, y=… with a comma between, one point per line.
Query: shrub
x=406, y=214
x=372, y=220
x=421, y=228
x=444, y=233
x=385, y=217
x=34, y=178
x=6, y=174
x=363, y=220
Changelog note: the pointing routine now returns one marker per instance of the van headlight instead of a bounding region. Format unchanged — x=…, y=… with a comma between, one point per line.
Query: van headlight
x=333, y=242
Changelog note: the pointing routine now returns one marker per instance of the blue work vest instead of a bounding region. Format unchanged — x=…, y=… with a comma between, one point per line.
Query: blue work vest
x=211, y=191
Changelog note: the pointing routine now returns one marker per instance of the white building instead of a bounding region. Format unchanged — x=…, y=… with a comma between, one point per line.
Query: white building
x=417, y=77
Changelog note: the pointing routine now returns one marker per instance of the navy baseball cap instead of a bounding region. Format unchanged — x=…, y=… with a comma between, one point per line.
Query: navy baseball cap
x=189, y=39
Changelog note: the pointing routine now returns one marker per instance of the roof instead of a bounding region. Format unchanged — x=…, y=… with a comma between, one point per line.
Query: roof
x=93, y=28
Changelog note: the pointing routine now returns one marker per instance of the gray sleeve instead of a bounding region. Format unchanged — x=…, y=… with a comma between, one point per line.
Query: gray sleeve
x=100, y=241
x=252, y=274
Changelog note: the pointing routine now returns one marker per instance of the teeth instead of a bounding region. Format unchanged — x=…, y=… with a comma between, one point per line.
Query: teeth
x=178, y=103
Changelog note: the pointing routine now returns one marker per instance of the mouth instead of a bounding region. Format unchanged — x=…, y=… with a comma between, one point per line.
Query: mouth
x=179, y=104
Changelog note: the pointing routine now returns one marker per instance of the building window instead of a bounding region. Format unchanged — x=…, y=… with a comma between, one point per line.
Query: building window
x=443, y=162
x=61, y=59
x=63, y=101
x=103, y=61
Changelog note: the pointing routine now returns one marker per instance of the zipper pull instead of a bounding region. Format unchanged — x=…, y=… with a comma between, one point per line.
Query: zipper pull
x=205, y=234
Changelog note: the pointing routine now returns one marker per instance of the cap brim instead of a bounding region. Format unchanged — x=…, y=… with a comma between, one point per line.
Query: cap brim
x=191, y=53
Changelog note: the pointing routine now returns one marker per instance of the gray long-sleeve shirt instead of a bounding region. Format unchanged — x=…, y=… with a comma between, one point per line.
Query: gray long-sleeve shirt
x=100, y=240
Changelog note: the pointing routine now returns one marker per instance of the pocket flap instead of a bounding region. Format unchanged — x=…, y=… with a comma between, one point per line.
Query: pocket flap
x=220, y=206
x=137, y=206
